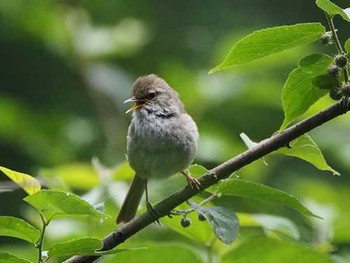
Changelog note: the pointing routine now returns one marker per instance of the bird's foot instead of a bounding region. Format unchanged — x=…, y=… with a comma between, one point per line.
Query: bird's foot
x=154, y=213
x=192, y=181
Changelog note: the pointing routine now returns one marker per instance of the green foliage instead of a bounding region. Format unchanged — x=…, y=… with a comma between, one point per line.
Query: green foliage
x=28, y=183
x=306, y=149
x=347, y=45
x=172, y=253
x=269, y=41
x=9, y=258
x=239, y=187
x=82, y=246
x=298, y=92
x=332, y=9
x=223, y=221
x=59, y=204
x=18, y=228
x=53, y=136
x=281, y=251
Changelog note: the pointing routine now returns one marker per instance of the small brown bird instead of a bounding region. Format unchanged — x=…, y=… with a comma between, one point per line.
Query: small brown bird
x=162, y=139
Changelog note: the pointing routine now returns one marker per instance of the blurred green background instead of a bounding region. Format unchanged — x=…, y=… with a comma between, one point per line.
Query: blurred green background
x=67, y=66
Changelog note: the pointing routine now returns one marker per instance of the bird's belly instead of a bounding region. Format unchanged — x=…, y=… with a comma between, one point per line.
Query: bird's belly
x=158, y=154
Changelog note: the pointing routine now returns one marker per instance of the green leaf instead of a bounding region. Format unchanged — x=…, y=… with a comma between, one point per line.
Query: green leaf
x=347, y=45
x=57, y=203
x=197, y=170
x=238, y=187
x=325, y=82
x=75, y=175
x=265, y=250
x=306, y=149
x=332, y=9
x=273, y=225
x=159, y=252
x=28, y=183
x=198, y=231
x=9, y=258
x=123, y=172
x=18, y=228
x=298, y=92
x=80, y=246
x=268, y=41
x=223, y=221
x=86, y=246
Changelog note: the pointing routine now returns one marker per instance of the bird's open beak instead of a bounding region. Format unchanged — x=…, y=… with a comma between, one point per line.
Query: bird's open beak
x=137, y=104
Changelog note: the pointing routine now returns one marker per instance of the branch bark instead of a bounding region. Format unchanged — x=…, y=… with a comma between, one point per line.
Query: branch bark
x=218, y=173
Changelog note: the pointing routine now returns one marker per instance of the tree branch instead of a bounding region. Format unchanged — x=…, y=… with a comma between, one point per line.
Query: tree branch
x=218, y=173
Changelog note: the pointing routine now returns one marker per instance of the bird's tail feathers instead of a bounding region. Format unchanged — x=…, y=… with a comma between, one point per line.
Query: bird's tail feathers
x=132, y=200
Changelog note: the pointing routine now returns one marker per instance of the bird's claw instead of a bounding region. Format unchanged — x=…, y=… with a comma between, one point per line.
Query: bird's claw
x=192, y=181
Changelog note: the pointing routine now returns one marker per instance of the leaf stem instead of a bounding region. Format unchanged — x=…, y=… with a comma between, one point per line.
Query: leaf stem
x=337, y=43
x=40, y=243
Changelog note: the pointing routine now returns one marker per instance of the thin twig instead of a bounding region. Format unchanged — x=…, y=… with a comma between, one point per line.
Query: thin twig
x=220, y=172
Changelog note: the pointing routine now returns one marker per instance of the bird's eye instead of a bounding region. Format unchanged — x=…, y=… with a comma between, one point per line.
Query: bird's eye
x=151, y=95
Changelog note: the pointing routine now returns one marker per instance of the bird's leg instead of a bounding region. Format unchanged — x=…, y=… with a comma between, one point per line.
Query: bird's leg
x=150, y=208
x=193, y=182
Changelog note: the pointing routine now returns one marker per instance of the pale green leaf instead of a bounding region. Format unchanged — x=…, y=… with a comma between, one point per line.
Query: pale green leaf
x=238, y=187
x=159, y=252
x=268, y=41
x=347, y=45
x=265, y=250
x=9, y=258
x=123, y=172
x=57, y=203
x=75, y=175
x=298, y=92
x=197, y=170
x=223, y=221
x=86, y=246
x=273, y=225
x=306, y=149
x=28, y=183
x=332, y=9
x=18, y=228
x=75, y=247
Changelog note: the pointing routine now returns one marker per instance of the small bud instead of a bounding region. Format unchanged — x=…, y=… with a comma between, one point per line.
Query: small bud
x=341, y=60
x=336, y=94
x=326, y=38
x=346, y=90
x=201, y=217
x=333, y=71
x=185, y=222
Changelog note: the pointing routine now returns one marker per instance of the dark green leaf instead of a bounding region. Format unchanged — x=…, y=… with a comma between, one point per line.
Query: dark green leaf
x=238, y=187
x=223, y=221
x=325, y=82
x=28, y=183
x=298, y=92
x=268, y=41
x=9, y=258
x=18, y=228
x=58, y=203
x=306, y=149
x=332, y=9
x=266, y=250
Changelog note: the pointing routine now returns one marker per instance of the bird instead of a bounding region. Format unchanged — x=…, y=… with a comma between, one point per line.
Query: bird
x=162, y=140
